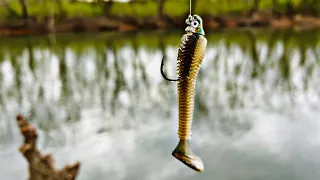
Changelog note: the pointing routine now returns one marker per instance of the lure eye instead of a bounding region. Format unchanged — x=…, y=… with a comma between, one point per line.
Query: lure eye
x=194, y=24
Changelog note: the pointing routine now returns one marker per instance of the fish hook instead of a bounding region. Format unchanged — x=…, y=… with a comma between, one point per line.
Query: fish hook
x=162, y=73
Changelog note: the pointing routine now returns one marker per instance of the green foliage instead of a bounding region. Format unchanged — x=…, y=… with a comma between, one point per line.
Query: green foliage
x=134, y=9
x=43, y=8
x=4, y=14
x=176, y=8
x=14, y=6
x=221, y=7
x=82, y=10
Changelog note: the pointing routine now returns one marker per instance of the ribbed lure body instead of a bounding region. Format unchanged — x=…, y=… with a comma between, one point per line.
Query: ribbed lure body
x=190, y=55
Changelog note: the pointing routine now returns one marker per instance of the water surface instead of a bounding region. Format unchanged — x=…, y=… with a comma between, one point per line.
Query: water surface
x=100, y=99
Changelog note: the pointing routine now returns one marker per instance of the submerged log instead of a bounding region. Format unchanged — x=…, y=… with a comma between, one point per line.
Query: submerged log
x=41, y=167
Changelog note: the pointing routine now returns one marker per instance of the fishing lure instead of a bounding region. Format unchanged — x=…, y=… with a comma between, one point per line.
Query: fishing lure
x=190, y=55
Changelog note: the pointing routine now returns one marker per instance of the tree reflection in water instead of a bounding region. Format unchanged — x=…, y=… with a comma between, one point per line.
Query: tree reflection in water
x=112, y=81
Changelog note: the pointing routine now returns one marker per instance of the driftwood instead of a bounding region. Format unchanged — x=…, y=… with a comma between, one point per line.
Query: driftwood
x=41, y=166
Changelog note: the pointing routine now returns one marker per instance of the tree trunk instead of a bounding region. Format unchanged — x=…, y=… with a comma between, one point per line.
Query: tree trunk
x=25, y=14
x=256, y=5
x=274, y=6
x=106, y=6
x=61, y=9
x=290, y=9
x=160, y=8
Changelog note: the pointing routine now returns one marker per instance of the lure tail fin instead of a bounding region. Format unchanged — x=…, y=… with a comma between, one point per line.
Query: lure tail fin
x=184, y=153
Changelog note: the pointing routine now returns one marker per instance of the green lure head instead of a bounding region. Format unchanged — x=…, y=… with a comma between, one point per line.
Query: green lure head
x=195, y=25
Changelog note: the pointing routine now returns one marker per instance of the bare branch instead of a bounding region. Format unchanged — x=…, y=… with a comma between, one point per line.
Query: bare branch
x=41, y=167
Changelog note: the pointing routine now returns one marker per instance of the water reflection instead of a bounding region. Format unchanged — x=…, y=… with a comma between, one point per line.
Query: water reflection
x=101, y=99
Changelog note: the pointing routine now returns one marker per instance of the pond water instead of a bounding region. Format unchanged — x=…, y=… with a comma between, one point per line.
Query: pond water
x=100, y=99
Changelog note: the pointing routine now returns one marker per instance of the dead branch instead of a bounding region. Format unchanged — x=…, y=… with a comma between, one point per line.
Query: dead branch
x=41, y=166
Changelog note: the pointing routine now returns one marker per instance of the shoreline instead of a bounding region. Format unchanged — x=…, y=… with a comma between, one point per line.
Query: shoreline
x=125, y=24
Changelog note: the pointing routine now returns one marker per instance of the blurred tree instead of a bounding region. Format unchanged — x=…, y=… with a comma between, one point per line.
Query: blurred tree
x=12, y=12
x=290, y=9
x=106, y=6
x=61, y=9
x=274, y=5
x=24, y=10
x=160, y=8
x=98, y=1
x=310, y=6
x=256, y=5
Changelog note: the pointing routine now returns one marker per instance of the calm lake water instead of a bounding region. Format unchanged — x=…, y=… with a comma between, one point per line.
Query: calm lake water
x=100, y=99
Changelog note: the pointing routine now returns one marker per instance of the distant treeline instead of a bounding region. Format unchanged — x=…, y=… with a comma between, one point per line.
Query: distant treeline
x=60, y=9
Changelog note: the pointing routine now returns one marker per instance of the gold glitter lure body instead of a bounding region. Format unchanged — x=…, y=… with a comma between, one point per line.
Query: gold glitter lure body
x=190, y=55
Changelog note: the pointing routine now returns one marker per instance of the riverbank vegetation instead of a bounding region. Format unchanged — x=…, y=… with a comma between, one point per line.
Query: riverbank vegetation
x=98, y=15
x=42, y=9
